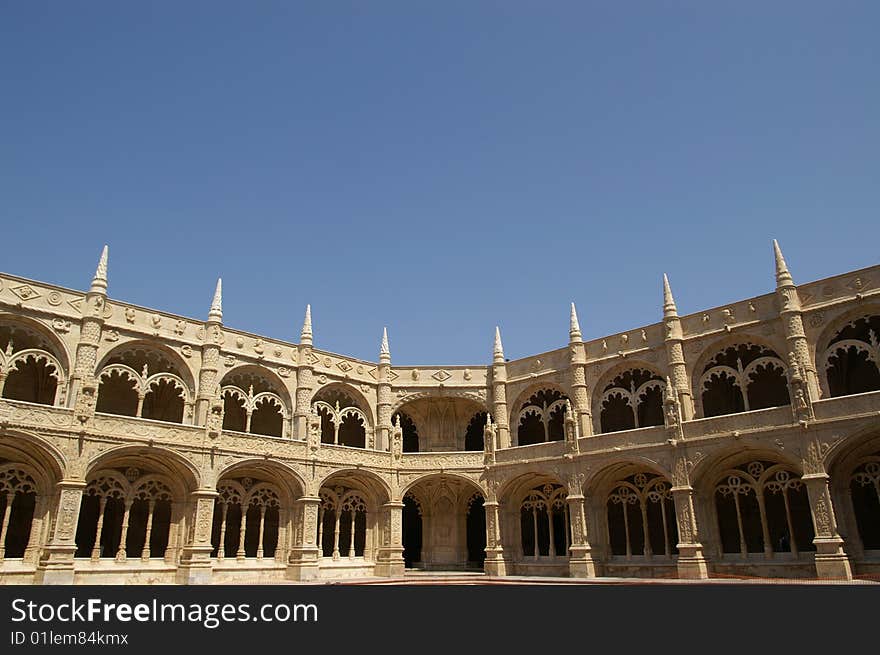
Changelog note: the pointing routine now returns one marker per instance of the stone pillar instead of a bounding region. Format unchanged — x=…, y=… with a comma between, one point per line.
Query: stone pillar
x=578, y=377
x=302, y=562
x=494, y=564
x=499, y=394
x=792, y=323
x=209, y=378
x=383, y=397
x=831, y=560
x=195, y=561
x=56, y=563
x=691, y=561
x=305, y=379
x=674, y=337
x=580, y=558
x=389, y=560
x=90, y=334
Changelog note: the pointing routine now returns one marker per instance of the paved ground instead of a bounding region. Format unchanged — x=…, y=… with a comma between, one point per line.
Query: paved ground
x=477, y=578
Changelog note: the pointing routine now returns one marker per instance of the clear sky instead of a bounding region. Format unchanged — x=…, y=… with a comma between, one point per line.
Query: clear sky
x=438, y=167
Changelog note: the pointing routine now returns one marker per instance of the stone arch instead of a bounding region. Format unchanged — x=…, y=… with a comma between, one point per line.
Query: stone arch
x=178, y=365
x=740, y=390
x=853, y=466
x=751, y=500
x=35, y=452
x=134, y=504
x=441, y=422
x=361, y=401
x=29, y=469
x=350, y=515
x=145, y=379
x=537, y=415
x=631, y=505
x=50, y=341
x=535, y=518
x=427, y=477
x=290, y=481
x=647, y=394
x=847, y=352
x=253, y=513
x=371, y=482
x=183, y=473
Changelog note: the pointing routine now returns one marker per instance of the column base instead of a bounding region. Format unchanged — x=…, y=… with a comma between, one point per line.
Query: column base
x=496, y=567
x=195, y=567
x=831, y=560
x=55, y=566
x=302, y=564
x=691, y=563
x=389, y=563
x=580, y=562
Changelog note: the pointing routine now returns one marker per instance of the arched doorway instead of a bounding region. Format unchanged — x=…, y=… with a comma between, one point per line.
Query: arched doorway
x=412, y=532
x=476, y=532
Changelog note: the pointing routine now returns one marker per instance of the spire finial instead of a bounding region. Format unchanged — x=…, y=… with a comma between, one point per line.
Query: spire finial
x=783, y=276
x=99, y=282
x=574, y=330
x=669, y=308
x=498, y=351
x=216, y=311
x=305, y=336
x=384, y=350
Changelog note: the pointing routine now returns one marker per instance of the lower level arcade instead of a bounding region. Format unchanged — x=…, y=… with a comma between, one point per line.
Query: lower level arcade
x=137, y=513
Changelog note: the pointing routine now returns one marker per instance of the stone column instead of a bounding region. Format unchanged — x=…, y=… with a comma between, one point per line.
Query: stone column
x=494, y=564
x=578, y=377
x=499, y=394
x=691, y=561
x=389, y=560
x=580, y=559
x=195, y=561
x=121, y=554
x=383, y=397
x=305, y=378
x=208, y=373
x=674, y=337
x=831, y=560
x=90, y=333
x=792, y=322
x=302, y=562
x=56, y=564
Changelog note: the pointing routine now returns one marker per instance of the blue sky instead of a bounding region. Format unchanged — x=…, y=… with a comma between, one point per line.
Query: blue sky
x=438, y=168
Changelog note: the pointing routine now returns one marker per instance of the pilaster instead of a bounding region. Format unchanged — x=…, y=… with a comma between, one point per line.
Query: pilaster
x=195, y=565
x=305, y=379
x=91, y=327
x=56, y=562
x=831, y=560
x=389, y=559
x=302, y=562
x=580, y=558
x=209, y=378
x=383, y=396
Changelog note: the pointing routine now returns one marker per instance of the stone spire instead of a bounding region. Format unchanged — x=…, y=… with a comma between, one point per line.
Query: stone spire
x=783, y=276
x=574, y=330
x=384, y=350
x=99, y=282
x=669, y=308
x=305, y=336
x=498, y=352
x=216, y=311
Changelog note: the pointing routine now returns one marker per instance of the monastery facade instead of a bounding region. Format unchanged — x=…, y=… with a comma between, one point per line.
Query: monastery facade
x=137, y=446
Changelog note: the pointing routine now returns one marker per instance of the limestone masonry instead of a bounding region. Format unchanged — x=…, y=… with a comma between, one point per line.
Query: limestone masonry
x=137, y=446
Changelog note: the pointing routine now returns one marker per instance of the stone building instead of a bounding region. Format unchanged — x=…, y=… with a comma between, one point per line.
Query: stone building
x=138, y=446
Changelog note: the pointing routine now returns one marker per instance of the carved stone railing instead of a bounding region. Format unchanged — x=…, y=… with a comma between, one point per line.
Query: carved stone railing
x=624, y=439
x=445, y=461
x=743, y=422
x=843, y=406
x=533, y=451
